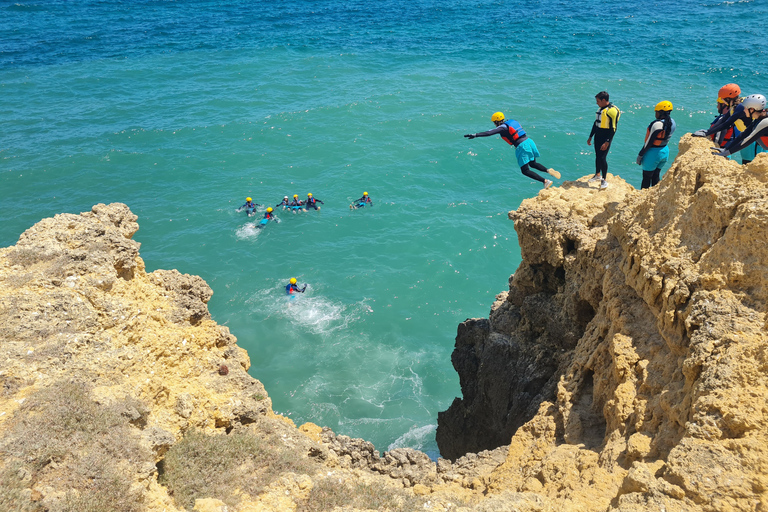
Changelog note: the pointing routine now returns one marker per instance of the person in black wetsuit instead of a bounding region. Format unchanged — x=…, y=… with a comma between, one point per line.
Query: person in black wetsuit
x=292, y=287
x=362, y=202
x=526, y=151
x=312, y=202
x=284, y=203
x=727, y=100
x=603, y=130
x=249, y=206
x=756, y=133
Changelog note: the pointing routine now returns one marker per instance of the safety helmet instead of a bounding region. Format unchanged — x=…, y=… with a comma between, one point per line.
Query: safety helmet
x=754, y=101
x=295, y=196
x=498, y=116
x=365, y=193
x=309, y=195
x=665, y=106
x=729, y=91
x=293, y=280
x=269, y=210
x=285, y=197
x=248, y=199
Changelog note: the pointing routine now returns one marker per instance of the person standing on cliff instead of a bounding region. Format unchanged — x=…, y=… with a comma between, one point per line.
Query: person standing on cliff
x=756, y=134
x=525, y=149
x=655, y=152
x=603, y=130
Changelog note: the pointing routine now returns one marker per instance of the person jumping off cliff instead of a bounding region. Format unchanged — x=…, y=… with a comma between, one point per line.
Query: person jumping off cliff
x=526, y=151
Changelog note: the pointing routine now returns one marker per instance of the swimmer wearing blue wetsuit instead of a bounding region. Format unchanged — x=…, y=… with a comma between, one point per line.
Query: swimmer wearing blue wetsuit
x=525, y=149
x=249, y=206
x=312, y=202
x=292, y=287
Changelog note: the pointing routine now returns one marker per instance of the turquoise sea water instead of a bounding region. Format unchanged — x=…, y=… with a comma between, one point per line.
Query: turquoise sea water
x=182, y=109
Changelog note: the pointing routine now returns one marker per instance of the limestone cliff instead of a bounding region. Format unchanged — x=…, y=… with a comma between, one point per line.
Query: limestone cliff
x=627, y=362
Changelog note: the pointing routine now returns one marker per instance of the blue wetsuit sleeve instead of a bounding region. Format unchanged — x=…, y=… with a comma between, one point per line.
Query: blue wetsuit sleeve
x=726, y=122
x=749, y=136
x=497, y=130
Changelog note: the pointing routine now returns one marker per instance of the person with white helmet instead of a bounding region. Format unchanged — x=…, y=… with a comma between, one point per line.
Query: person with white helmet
x=249, y=206
x=738, y=119
x=362, y=202
x=312, y=201
x=284, y=203
x=292, y=287
x=757, y=132
x=655, y=151
x=526, y=151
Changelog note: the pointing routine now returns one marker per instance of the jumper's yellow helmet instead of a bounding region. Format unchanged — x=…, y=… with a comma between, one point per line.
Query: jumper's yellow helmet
x=665, y=106
x=269, y=210
x=365, y=193
x=498, y=116
x=293, y=280
x=248, y=199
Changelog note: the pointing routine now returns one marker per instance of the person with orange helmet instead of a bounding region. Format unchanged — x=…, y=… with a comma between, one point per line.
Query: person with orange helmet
x=526, y=151
x=655, y=151
x=756, y=135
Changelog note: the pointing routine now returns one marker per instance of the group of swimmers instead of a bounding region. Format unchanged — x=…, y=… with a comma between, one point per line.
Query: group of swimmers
x=299, y=205
x=741, y=126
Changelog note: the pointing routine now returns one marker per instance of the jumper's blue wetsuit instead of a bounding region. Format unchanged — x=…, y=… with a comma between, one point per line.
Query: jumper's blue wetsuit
x=655, y=152
x=526, y=151
x=290, y=289
x=312, y=202
x=249, y=207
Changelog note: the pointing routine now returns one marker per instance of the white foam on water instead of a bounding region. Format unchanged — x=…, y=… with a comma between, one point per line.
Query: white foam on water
x=248, y=232
x=416, y=438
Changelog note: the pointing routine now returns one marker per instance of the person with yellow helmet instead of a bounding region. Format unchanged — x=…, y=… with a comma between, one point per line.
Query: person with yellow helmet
x=362, y=202
x=312, y=201
x=292, y=287
x=526, y=151
x=603, y=130
x=737, y=121
x=249, y=206
x=297, y=204
x=655, y=151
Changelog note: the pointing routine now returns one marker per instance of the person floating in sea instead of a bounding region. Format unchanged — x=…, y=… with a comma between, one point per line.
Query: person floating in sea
x=249, y=206
x=311, y=202
x=362, y=202
x=292, y=287
x=268, y=215
x=737, y=119
x=756, y=133
x=655, y=151
x=284, y=203
x=603, y=130
x=525, y=149
x=296, y=204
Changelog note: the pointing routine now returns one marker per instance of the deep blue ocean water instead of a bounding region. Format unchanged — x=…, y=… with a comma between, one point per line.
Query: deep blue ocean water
x=182, y=109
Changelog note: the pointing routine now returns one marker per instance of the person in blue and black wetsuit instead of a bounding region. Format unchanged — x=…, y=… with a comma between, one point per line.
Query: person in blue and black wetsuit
x=655, y=151
x=756, y=133
x=292, y=287
x=362, y=202
x=525, y=149
x=603, y=130
x=738, y=121
x=312, y=202
x=249, y=206
x=727, y=100
x=284, y=203
x=296, y=202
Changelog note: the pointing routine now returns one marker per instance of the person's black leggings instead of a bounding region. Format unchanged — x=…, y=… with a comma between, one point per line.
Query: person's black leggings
x=650, y=178
x=601, y=157
x=528, y=172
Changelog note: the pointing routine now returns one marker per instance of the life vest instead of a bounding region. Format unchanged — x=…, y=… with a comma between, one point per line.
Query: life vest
x=662, y=137
x=605, y=121
x=311, y=201
x=516, y=132
x=268, y=215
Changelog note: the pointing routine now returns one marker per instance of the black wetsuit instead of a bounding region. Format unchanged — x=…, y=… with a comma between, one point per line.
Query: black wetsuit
x=311, y=202
x=249, y=207
x=603, y=130
x=757, y=132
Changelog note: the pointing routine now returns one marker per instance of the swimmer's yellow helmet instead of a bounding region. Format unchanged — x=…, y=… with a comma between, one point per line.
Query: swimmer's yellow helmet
x=293, y=280
x=309, y=195
x=248, y=199
x=365, y=193
x=269, y=210
x=498, y=116
x=664, y=106
x=295, y=196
